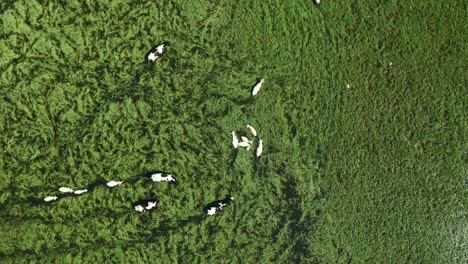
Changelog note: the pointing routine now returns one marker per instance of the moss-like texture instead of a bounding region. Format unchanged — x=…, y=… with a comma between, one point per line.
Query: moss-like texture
x=361, y=114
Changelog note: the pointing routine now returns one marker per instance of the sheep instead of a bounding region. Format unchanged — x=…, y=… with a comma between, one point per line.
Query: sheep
x=218, y=206
x=161, y=177
x=257, y=87
x=65, y=190
x=260, y=148
x=80, y=191
x=245, y=145
x=254, y=132
x=235, y=140
x=317, y=1
x=155, y=53
x=245, y=139
x=139, y=208
x=114, y=183
x=50, y=198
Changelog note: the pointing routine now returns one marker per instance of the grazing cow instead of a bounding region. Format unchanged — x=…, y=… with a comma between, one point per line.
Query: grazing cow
x=260, y=148
x=254, y=132
x=165, y=177
x=244, y=144
x=235, y=141
x=145, y=205
x=65, y=190
x=114, y=183
x=80, y=191
x=217, y=206
x=50, y=198
x=257, y=87
x=155, y=53
x=245, y=139
x=139, y=208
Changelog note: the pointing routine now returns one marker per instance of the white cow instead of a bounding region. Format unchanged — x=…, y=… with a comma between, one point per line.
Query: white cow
x=257, y=87
x=65, y=190
x=244, y=145
x=235, y=140
x=50, y=198
x=81, y=191
x=245, y=139
x=254, y=132
x=114, y=183
x=260, y=148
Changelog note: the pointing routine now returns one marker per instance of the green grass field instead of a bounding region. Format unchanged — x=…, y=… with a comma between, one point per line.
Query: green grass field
x=362, y=115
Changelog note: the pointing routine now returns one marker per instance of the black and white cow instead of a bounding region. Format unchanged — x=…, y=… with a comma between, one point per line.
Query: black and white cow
x=217, y=206
x=164, y=177
x=146, y=205
x=156, y=52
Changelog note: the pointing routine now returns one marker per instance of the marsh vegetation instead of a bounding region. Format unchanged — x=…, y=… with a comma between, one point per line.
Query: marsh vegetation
x=362, y=114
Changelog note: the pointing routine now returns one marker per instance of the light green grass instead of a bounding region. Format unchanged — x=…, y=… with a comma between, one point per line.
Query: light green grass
x=373, y=173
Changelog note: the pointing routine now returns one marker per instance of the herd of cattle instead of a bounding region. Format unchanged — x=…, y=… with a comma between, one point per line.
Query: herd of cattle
x=143, y=206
